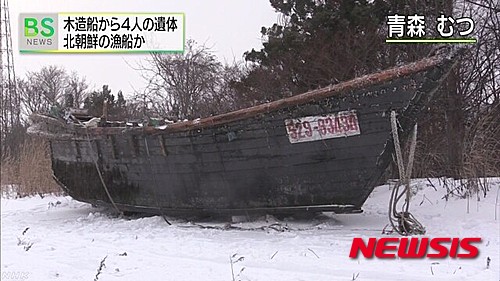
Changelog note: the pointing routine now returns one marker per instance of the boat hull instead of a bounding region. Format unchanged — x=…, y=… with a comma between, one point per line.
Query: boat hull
x=250, y=164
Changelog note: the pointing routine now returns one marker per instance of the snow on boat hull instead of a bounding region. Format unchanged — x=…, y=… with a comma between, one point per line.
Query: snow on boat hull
x=324, y=150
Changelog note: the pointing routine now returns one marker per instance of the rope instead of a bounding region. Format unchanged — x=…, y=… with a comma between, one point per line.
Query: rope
x=96, y=165
x=99, y=172
x=403, y=222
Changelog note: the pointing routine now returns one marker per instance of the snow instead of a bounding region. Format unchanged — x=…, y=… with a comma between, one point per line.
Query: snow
x=69, y=239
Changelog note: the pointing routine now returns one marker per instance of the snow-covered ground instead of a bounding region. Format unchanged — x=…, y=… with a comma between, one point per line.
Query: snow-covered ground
x=67, y=240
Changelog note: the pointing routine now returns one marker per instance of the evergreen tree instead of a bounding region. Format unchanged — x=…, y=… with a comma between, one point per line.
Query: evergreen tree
x=318, y=43
x=116, y=109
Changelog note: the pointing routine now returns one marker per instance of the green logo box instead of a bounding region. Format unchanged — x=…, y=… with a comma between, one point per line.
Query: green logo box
x=38, y=31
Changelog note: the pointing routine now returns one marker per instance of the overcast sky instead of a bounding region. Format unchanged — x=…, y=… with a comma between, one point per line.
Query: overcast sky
x=230, y=27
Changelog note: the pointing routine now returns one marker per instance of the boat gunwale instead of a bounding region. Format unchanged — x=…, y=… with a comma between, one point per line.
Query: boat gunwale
x=300, y=99
x=368, y=80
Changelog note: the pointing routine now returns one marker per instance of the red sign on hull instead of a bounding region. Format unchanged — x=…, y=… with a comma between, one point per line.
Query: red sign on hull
x=313, y=128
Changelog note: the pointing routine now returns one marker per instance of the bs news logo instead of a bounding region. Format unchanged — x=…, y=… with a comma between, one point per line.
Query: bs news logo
x=38, y=32
x=101, y=32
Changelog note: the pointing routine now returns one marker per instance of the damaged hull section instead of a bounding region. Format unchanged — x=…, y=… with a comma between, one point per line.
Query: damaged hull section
x=324, y=150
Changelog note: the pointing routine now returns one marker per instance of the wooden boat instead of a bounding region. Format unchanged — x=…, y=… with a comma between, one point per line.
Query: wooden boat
x=324, y=150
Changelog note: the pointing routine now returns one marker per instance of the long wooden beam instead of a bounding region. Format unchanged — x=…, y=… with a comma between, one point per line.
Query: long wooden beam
x=310, y=96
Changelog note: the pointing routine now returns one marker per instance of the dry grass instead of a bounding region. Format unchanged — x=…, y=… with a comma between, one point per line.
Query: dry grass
x=481, y=156
x=9, y=172
x=31, y=174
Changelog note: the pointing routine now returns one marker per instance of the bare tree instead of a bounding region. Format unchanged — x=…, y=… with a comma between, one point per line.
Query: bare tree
x=77, y=87
x=51, y=81
x=459, y=136
x=479, y=87
x=31, y=99
x=188, y=85
x=51, y=85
